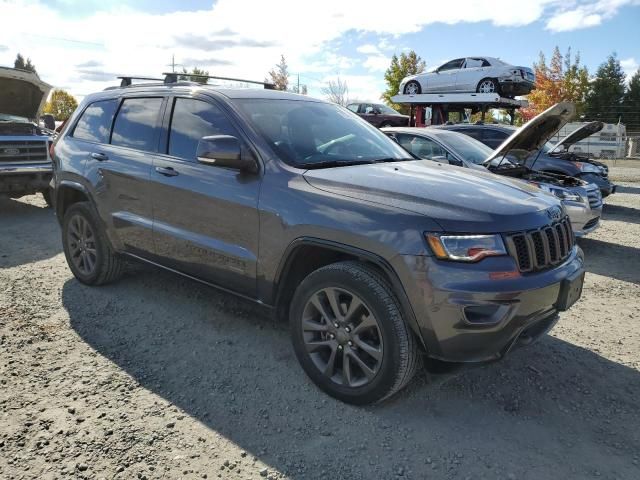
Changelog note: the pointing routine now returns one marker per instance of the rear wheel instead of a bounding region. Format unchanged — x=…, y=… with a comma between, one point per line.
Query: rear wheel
x=488, y=85
x=349, y=335
x=88, y=253
x=412, y=88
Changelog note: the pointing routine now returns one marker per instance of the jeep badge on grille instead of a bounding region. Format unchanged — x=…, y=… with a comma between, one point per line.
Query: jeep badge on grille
x=554, y=213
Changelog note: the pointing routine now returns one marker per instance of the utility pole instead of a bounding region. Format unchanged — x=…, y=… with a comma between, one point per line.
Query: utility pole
x=298, y=89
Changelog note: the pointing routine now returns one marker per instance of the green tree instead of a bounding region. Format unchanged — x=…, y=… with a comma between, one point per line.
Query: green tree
x=631, y=104
x=604, y=100
x=407, y=64
x=61, y=105
x=279, y=75
x=194, y=71
x=24, y=65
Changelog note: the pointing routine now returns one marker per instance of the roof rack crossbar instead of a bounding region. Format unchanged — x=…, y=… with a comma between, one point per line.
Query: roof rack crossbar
x=172, y=77
x=125, y=81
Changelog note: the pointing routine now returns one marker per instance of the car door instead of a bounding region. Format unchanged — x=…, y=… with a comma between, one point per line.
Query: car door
x=119, y=167
x=473, y=71
x=205, y=216
x=444, y=78
x=366, y=111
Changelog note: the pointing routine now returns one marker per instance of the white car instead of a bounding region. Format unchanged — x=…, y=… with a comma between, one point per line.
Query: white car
x=472, y=74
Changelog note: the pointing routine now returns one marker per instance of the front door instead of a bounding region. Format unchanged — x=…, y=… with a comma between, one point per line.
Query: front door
x=444, y=79
x=205, y=217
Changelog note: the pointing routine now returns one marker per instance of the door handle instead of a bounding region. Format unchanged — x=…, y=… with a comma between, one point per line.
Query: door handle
x=167, y=171
x=101, y=157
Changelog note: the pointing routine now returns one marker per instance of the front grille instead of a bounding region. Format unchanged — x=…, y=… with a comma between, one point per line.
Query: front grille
x=23, y=151
x=594, y=196
x=536, y=250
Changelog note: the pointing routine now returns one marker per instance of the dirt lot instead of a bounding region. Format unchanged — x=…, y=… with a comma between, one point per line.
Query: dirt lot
x=160, y=377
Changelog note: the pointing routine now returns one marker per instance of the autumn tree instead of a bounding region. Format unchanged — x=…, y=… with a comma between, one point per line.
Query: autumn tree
x=337, y=92
x=23, y=64
x=607, y=92
x=61, y=105
x=407, y=64
x=195, y=71
x=279, y=75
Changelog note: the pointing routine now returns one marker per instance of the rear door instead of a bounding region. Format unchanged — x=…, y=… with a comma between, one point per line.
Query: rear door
x=205, y=217
x=118, y=165
x=474, y=70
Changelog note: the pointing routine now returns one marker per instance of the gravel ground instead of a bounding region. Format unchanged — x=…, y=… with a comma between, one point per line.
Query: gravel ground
x=160, y=377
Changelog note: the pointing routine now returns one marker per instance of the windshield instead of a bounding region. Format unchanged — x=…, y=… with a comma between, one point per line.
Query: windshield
x=465, y=147
x=313, y=135
x=387, y=110
x=4, y=117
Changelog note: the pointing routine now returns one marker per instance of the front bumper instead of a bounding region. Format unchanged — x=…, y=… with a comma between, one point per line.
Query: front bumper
x=606, y=187
x=584, y=219
x=24, y=179
x=471, y=313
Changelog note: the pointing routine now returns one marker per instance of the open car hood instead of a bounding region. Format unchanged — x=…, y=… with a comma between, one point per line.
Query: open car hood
x=22, y=93
x=581, y=133
x=533, y=135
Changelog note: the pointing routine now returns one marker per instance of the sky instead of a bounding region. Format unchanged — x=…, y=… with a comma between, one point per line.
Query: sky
x=81, y=46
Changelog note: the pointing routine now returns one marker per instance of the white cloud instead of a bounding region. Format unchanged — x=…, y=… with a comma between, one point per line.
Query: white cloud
x=377, y=63
x=585, y=15
x=630, y=66
x=368, y=49
x=244, y=38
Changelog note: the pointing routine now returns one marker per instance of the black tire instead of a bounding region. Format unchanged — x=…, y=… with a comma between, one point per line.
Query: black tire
x=398, y=346
x=417, y=89
x=483, y=86
x=46, y=194
x=107, y=265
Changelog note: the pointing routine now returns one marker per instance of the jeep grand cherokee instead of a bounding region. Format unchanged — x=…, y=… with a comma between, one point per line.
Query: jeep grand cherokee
x=374, y=256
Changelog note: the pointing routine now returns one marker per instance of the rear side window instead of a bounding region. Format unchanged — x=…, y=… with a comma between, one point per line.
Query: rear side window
x=191, y=120
x=136, y=124
x=95, y=122
x=492, y=137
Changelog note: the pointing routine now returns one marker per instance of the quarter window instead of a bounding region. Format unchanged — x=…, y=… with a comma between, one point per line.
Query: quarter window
x=136, y=124
x=191, y=120
x=95, y=123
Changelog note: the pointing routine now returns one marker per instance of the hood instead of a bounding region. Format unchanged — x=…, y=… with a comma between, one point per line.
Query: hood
x=459, y=200
x=22, y=93
x=534, y=134
x=581, y=133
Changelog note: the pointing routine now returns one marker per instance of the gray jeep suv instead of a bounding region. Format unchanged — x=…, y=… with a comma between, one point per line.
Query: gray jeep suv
x=374, y=256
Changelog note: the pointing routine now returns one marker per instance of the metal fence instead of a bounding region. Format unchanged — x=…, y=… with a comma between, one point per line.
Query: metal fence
x=633, y=147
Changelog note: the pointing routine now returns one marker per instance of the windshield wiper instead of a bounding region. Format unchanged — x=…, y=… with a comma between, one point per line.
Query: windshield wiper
x=333, y=163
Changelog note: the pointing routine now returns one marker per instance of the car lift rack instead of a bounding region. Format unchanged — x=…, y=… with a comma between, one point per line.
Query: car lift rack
x=443, y=103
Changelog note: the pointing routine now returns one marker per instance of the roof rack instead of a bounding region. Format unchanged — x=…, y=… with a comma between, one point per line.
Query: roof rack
x=172, y=77
x=126, y=81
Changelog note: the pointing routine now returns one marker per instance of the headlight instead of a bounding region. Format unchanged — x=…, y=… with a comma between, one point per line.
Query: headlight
x=588, y=167
x=563, y=194
x=466, y=248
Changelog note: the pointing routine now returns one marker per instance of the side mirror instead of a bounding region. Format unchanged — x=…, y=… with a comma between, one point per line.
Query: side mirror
x=225, y=151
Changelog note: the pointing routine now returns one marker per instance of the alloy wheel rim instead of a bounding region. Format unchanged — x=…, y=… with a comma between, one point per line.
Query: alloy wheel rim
x=412, y=89
x=82, y=245
x=487, y=87
x=342, y=337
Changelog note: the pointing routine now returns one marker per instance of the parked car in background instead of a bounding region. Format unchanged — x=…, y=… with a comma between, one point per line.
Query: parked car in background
x=374, y=256
x=472, y=74
x=551, y=158
x=25, y=165
x=379, y=115
x=582, y=201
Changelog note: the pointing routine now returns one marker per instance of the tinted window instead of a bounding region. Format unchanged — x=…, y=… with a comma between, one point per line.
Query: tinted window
x=192, y=120
x=453, y=64
x=95, y=123
x=421, y=147
x=136, y=124
x=492, y=137
x=471, y=132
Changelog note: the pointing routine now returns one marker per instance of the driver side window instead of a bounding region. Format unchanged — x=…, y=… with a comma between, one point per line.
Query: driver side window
x=452, y=65
x=421, y=146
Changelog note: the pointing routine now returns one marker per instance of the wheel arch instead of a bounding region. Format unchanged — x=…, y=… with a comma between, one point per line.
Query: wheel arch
x=319, y=252
x=67, y=193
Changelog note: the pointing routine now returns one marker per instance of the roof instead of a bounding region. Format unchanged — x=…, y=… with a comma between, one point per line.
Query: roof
x=463, y=126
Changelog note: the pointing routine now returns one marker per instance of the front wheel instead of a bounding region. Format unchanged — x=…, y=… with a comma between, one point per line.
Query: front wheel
x=349, y=335
x=488, y=85
x=88, y=253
